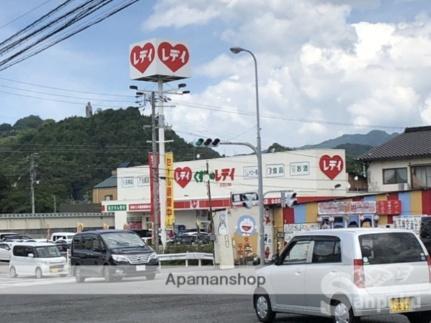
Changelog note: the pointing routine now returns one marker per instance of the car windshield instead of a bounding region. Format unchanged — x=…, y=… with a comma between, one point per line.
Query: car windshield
x=47, y=252
x=122, y=240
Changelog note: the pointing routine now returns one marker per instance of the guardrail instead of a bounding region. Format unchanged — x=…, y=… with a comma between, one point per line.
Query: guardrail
x=199, y=256
x=54, y=215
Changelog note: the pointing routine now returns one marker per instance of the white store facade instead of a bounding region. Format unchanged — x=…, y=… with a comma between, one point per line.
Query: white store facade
x=313, y=174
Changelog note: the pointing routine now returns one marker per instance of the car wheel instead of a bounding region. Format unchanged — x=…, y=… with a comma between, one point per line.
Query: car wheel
x=12, y=272
x=78, y=275
x=262, y=306
x=38, y=273
x=107, y=274
x=150, y=276
x=419, y=317
x=342, y=312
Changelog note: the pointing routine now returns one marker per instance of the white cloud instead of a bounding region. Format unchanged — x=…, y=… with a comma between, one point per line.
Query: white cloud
x=314, y=65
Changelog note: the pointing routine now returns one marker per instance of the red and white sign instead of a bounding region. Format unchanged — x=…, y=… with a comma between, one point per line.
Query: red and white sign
x=346, y=207
x=331, y=166
x=159, y=60
x=142, y=207
x=391, y=207
x=183, y=176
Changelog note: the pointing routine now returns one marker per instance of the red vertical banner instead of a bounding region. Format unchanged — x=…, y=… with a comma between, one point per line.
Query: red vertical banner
x=151, y=164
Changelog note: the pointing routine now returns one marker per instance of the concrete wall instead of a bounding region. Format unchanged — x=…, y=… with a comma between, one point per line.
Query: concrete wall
x=41, y=223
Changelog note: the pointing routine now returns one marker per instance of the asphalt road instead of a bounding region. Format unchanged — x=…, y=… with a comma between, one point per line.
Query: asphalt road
x=133, y=308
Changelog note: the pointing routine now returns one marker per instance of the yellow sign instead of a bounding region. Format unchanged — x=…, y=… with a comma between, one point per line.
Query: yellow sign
x=170, y=213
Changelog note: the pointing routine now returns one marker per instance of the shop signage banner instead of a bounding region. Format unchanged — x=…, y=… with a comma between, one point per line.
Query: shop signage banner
x=391, y=207
x=143, y=207
x=117, y=207
x=347, y=207
x=170, y=213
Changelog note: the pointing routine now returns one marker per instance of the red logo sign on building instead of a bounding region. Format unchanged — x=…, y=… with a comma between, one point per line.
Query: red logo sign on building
x=183, y=176
x=331, y=166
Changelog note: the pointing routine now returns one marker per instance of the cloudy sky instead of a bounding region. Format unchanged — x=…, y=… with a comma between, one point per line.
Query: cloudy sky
x=326, y=67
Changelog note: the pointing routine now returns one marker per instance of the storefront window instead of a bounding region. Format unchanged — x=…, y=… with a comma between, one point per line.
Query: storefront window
x=395, y=175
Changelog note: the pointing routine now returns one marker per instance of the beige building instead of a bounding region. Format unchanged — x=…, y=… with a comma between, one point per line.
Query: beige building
x=106, y=190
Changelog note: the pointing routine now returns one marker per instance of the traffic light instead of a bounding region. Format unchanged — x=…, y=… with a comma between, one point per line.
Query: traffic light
x=247, y=200
x=288, y=199
x=207, y=142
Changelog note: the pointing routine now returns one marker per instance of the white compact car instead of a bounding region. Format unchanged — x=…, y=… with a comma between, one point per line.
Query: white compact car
x=36, y=259
x=346, y=274
x=5, y=251
x=66, y=236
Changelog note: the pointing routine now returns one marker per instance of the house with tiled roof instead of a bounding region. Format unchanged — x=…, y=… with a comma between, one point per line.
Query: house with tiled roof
x=402, y=163
x=106, y=190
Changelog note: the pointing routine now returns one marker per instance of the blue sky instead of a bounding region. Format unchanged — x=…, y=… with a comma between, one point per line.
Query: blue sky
x=325, y=67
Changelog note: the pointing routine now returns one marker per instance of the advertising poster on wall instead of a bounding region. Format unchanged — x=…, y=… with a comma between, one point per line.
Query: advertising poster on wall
x=268, y=234
x=246, y=239
x=223, y=248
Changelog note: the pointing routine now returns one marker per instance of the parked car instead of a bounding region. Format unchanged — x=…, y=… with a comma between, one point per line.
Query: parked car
x=3, y=235
x=425, y=232
x=112, y=254
x=63, y=246
x=18, y=238
x=346, y=274
x=5, y=251
x=67, y=236
x=190, y=237
x=38, y=259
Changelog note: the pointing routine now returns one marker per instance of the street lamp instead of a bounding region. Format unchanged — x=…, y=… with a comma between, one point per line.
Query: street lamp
x=237, y=50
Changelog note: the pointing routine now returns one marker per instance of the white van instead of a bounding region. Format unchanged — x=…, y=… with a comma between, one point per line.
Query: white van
x=66, y=236
x=346, y=274
x=36, y=259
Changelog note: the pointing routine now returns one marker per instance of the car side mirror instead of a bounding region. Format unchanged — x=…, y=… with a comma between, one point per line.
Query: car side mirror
x=275, y=259
x=30, y=255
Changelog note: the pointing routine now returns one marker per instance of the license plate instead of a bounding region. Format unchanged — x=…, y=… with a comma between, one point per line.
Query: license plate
x=54, y=270
x=400, y=305
x=140, y=268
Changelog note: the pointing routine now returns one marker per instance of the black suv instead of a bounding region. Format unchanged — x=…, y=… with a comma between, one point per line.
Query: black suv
x=425, y=232
x=112, y=254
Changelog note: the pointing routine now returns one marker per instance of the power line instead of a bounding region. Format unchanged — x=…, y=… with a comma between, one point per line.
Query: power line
x=279, y=116
x=64, y=89
x=63, y=95
x=24, y=14
x=21, y=56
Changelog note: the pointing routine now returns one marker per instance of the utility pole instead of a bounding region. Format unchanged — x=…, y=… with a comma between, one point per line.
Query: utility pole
x=162, y=166
x=210, y=208
x=54, y=201
x=155, y=169
x=32, y=182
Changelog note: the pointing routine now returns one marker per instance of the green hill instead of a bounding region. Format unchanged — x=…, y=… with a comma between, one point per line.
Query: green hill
x=74, y=154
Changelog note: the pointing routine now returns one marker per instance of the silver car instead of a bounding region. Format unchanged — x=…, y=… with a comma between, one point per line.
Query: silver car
x=348, y=273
